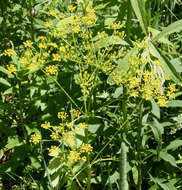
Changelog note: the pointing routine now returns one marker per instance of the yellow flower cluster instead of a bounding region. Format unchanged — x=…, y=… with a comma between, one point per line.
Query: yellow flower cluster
x=28, y=43
x=52, y=69
x=83, y=126
x=54, y=151
x=46, y=125
x=62, y=115
x=86, y=82
x=75, y=113
x=145, y=79
x=35, y=138
x=9, y=52
x=86, y=148
x=11, y=69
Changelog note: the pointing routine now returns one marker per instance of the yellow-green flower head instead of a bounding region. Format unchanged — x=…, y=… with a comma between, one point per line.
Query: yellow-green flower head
x=43, y=38
x=53, y=12
x=35, y=138
x=71, y=8
x=28, y=43
x=9, y=52
x=73, y=157
x=83, y=125
x=48, y=24
x=62, y=115
x=11, y=69
x=52, y=69
x=28, y=53
x=46, y=125
x=53, y=151
x=23, y=61
x=75, y=113
x=54, y=135
x=56, y=57
x=86, y=148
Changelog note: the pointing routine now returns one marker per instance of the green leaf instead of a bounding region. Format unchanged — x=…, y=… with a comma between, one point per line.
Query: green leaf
x=174, y=145
x=174, y=27
x=163, y=39
x=174, y=103
x=13, y=141
x=139, y=9
x=165, y=186
x=2, y=69
x=5, y=82
x=155, y=109
x=110, y=40
x=168, y=158
x=123, y=65
x=166, y=65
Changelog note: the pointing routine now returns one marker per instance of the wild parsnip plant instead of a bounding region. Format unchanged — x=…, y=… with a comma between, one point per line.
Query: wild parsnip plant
x=93, y=106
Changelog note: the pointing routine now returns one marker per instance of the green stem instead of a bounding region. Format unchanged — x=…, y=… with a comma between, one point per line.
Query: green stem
x=123, y=154
x=139, y=157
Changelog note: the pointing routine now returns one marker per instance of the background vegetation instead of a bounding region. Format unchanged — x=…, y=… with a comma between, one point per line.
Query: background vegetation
x=91, y=94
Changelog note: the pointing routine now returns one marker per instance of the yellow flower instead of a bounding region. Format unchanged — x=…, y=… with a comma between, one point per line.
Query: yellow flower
x=56, y=57
x=43, y=38
x=9, y=52
x=35, y=138
x=82, y=125
x=54, y=135
x=28, y=53
x=11, y=69
x=62, y=115
x=162, y=101
x=28, y=43
x=73, y=157
x=75, y=113
x=71, y=8
x=53, y=12
x=42, y=46
x=69, y=124
x=52, y=44
x=46, y=125
x=76, y=29
x=86, y=148
x=48, y=24
x=23, y=61
x=52, y=69
x=53, y=151
x=33, y=67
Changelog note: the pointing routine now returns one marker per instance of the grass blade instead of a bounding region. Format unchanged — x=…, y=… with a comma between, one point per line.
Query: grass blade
x=139, y=9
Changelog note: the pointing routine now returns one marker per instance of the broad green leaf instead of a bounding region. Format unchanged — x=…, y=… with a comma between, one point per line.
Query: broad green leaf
x=135, y=174
x=54, y=165
x=123, y=65
x=165, y=186
x=174, y=145
x=168, y=157
x=174, y=103
x=123, y=167
x=155, y=109
x=13, y=141
x=5, y=82
x=110, y=40
x=174, y=27
x=166, y=65
x=2, y=69
x=139, y=9
x=163, y=39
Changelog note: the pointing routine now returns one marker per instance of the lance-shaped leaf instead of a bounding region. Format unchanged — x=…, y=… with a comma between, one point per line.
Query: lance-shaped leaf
x=166, y=65
x=139, y=9
x=174, y=27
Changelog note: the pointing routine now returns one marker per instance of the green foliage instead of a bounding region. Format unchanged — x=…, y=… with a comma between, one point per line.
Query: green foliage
x=90, y=94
